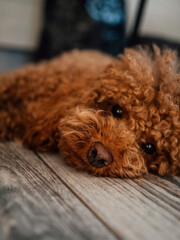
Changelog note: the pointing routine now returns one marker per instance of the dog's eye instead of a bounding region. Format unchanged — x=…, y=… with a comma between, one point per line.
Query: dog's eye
x=117, y=111
x=148, y=148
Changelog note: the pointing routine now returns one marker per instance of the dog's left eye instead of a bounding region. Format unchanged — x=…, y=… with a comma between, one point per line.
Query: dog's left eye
x=148, y=148
x=117, y=111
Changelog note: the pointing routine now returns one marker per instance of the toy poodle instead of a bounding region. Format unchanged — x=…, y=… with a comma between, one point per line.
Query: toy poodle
x=115, y=117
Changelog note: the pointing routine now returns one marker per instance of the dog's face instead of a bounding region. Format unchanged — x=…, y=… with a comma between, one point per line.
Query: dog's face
x=129, y=123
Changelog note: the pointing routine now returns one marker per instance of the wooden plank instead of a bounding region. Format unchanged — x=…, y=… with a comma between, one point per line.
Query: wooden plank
x=134, y=209
x=35, y=204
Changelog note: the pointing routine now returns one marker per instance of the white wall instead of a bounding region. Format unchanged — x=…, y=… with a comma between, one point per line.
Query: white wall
x=20, y=23
x=161, y=18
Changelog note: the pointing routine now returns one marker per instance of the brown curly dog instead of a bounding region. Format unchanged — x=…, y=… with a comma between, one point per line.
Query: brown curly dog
x=110, y=117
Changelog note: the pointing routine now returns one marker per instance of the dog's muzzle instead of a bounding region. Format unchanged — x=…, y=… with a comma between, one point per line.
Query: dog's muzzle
x=99, y=156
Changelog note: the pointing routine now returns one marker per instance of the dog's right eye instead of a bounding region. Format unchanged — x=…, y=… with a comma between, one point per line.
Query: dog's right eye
x=117, y=111
x=148, y=148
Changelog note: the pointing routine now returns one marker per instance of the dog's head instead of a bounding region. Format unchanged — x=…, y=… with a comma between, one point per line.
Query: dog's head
x=129, y=123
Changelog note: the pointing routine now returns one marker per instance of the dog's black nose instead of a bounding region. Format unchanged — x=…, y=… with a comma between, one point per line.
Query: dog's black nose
x=99, y=156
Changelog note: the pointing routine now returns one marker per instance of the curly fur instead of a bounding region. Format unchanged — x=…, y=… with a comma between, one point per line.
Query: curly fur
x=66, y=104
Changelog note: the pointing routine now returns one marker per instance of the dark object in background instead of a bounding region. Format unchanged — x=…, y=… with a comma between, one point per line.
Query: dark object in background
x=94, y=24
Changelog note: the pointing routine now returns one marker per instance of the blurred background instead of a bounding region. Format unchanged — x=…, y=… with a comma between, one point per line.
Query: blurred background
x=32, y=30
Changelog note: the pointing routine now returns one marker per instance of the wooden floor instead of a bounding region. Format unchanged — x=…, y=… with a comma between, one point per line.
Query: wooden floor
x=41, y=198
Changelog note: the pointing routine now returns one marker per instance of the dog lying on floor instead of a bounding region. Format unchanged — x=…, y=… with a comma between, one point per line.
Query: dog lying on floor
x=110, y=117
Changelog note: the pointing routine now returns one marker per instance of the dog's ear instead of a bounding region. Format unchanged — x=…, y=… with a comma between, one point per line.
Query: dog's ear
x=168, y=75
x=152, y=70
x=137, y=65
x=43, y=134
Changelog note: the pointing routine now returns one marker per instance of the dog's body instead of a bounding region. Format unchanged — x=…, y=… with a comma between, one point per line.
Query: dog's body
x=111, y=117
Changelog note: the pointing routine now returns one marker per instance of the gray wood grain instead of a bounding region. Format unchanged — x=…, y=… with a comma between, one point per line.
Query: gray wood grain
x=36, y=205
x=146, y=208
